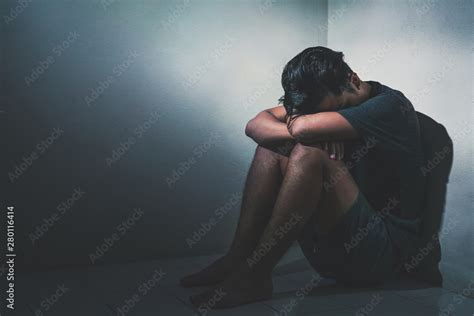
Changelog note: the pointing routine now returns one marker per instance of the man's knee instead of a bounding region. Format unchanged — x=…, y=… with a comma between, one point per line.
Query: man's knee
x=308, y=155
x=266, y=155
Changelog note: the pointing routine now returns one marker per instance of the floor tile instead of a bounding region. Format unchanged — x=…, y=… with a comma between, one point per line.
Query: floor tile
x=256, y=309
x=152, y=288
x=21, y=309
x=182, y=295
x=54, y=292
x=449, y=304
x=376, y=303
x=204, y=261
x=285, y=284
x=117, y=282
x=421, y=292
x=154, y=302
x=298, y=303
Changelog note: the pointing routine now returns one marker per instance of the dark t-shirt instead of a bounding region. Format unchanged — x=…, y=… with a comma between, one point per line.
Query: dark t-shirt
x=386, y=161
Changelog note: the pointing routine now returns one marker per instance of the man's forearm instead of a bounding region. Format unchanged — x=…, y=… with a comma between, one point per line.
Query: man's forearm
x=271, y=132
x=266, y=129
x=323, y=126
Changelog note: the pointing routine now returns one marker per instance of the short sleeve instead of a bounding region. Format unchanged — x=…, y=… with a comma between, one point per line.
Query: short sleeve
x=382, y=118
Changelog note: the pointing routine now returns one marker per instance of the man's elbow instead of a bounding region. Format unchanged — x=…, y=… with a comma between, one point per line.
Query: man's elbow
x=252, y=131
x=250, y=128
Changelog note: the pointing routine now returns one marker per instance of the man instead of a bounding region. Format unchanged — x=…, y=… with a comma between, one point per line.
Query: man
x=337, y=167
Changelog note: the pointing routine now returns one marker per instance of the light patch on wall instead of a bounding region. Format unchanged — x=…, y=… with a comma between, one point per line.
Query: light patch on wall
x=424, y=49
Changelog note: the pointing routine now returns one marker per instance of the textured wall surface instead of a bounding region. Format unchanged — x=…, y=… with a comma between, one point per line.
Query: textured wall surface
x=126, y=119
x=424, y=49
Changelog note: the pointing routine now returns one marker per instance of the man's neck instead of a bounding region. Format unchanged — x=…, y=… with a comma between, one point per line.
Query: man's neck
x=366, y=90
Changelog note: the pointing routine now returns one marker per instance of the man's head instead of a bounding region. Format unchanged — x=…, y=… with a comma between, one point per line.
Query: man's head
x=317, y=80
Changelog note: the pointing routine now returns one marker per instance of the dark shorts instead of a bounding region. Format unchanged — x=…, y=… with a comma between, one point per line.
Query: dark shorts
x=357, y=251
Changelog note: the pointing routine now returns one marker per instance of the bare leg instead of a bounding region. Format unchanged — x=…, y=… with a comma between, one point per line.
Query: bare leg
x=261, y=190
x=302, y=192
x=260, y=193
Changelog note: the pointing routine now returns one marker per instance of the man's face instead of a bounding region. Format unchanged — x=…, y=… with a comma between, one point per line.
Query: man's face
x=349, y=97
x=333, y=103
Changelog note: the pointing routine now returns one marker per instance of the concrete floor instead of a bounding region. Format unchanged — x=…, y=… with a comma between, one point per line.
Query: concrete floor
x=120, y=290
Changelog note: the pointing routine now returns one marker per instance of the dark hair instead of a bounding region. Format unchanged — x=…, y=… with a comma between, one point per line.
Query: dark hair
x=310, y=76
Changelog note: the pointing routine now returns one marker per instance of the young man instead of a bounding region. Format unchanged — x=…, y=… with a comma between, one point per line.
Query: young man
x=337, y=167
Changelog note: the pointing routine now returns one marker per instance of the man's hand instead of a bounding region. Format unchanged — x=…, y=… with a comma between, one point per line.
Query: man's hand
x=273, y=129
x=334, y=149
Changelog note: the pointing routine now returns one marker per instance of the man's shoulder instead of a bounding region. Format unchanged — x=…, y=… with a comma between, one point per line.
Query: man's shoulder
x=392, y=97
x=408, y=120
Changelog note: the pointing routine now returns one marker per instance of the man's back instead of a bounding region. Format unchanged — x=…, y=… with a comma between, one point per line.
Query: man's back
x=387, y=161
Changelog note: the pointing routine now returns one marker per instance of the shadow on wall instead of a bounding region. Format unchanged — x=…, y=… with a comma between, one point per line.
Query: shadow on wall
x=126, y=120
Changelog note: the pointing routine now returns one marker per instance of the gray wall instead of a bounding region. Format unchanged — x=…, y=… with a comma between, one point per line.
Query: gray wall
x=422, y=48
x=109, y=98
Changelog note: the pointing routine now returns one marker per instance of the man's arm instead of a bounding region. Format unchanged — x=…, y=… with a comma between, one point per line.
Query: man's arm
x=322, y=126
x=268, y=127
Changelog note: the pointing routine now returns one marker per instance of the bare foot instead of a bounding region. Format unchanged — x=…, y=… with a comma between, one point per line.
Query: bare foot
x=236, y=290
x=213, y=274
